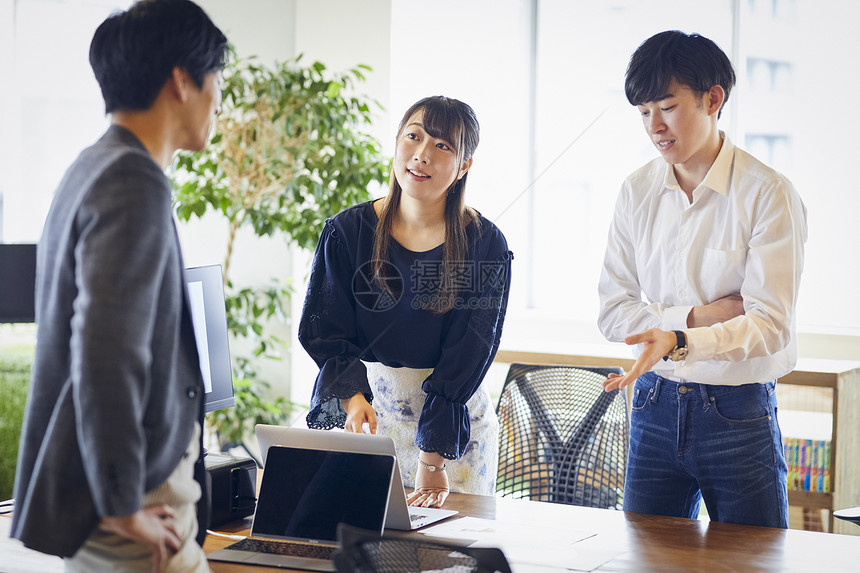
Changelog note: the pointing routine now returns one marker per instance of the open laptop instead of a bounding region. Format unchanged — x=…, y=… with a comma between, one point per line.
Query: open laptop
x=400, y=515
x=305, y=493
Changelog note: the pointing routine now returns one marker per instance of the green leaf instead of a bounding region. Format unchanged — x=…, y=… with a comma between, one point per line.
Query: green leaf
x=333, y=89
x=290, y=149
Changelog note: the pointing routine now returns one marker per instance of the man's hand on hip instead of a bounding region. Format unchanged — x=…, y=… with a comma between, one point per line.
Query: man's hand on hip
x=154, y=526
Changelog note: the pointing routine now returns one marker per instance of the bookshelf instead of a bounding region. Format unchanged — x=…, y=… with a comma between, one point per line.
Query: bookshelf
x=826, y=389
x=825, y=392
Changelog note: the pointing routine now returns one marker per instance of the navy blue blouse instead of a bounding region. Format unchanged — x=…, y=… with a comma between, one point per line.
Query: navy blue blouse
x=348, y=318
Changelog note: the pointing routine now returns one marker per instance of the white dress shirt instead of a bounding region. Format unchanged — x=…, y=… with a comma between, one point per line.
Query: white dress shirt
x=742, y=235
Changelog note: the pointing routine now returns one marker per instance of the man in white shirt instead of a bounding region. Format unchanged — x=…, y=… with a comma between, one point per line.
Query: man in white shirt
x=702, y=270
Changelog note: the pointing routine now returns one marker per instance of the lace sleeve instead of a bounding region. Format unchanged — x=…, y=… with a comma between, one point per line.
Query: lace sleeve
x=327, y=332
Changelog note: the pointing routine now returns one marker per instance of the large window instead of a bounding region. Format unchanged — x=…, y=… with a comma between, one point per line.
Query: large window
x=586, y=126
x=546, y=79
x=791, y=108
x=558, y=137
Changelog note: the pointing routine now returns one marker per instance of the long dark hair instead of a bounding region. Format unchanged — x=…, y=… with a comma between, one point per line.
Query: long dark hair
x=454, y=121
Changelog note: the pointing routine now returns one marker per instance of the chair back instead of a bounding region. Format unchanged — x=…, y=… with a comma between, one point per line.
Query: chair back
x=362, y=551
x=562, y=437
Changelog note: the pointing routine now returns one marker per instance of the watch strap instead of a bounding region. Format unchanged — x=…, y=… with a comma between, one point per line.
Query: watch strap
x=681, y=338
x=431, y=467
x=680, y=350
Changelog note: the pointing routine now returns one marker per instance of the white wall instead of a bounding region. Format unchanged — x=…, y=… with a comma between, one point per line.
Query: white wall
x=341, y=34
x=269, y=35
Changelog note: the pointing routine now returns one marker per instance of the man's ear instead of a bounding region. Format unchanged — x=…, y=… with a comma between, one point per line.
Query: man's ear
x=178, y=83
x=716, y=97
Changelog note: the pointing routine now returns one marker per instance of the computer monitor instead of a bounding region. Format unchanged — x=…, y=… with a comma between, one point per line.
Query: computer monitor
x=17, y=283
x=209, y=315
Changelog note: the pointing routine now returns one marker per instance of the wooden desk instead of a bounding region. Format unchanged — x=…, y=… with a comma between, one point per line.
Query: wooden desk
x=652, y=543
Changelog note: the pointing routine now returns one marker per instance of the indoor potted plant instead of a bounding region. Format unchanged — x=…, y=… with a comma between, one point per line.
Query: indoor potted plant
x=289, y=150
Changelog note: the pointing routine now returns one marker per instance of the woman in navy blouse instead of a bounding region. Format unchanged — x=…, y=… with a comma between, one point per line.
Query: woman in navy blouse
x=404, y=311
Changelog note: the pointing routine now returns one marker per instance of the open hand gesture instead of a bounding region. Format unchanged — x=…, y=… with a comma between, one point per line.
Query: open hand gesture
x=655, y=343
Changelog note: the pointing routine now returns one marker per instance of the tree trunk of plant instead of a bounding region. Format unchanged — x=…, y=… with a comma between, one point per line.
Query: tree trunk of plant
x=234, y=227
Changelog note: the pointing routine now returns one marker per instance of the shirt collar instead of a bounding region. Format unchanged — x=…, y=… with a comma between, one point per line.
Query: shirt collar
x=719, y=174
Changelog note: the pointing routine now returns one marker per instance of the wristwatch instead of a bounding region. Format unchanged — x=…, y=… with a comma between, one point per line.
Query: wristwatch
x=431, y=467
x=680, y=351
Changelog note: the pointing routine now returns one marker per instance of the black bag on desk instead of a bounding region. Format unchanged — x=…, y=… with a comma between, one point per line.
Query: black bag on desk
x=233, y=488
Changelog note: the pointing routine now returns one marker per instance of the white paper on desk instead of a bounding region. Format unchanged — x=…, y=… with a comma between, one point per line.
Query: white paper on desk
x=480, y=529
x=557, y=548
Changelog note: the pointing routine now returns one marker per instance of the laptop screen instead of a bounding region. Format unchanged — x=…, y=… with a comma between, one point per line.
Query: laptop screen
x=305, y=493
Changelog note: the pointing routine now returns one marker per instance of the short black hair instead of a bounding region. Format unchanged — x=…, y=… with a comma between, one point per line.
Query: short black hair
x=134, y=52
x=689, y=59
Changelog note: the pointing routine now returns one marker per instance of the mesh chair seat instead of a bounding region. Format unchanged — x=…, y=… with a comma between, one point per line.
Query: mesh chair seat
x=364, y=551
x=562, y=438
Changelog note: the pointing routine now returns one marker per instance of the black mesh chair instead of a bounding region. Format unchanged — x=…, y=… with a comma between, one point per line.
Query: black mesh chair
x=362, y=551
x=562, y=438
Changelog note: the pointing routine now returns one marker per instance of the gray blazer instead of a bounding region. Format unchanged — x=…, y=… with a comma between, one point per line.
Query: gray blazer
x=116, y=383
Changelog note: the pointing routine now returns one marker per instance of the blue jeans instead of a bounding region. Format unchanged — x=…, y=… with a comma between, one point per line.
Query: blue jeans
x=694, y=441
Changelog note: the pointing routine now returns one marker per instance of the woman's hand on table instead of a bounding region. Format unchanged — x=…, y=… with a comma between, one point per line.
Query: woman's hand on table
x=431, y=487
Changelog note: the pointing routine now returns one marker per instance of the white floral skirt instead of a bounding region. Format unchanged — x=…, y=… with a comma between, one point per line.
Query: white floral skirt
x=398, y=400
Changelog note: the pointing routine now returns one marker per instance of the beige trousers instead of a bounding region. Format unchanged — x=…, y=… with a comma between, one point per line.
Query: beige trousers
x=105, y=551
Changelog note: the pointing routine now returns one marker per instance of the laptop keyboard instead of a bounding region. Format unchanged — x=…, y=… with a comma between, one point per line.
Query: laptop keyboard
x=293, y=548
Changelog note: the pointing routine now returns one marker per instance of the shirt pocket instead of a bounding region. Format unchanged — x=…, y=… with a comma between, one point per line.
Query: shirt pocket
x=722, y=272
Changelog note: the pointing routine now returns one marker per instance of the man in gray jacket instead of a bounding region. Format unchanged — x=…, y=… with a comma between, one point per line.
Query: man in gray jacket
x=111, y=437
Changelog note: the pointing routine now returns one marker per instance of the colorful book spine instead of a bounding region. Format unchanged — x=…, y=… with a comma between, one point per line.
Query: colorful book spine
x=795, y=446
x=804, y=464
x=795, y=462
x=820, y=466
x=813, y=465
x=808, y=464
